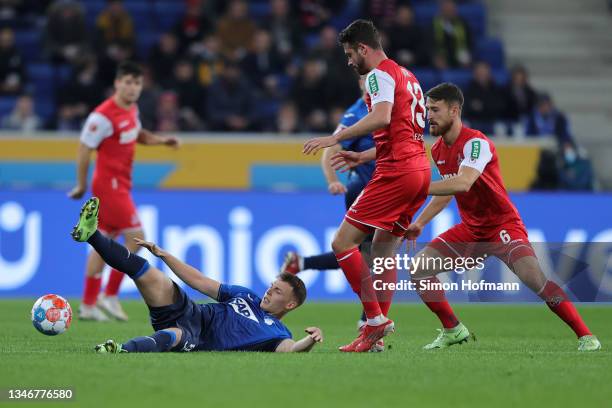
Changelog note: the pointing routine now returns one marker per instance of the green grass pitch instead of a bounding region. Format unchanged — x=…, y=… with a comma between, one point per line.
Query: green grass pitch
x=524, y=357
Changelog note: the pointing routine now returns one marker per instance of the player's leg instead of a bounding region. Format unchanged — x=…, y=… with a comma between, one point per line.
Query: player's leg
x=109, y=301
x=88, y=310
x=450, y=244
x=525, y=265
x=158, y=342
x=385, y=245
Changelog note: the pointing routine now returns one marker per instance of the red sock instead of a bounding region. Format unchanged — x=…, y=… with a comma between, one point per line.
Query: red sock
x=435, y=299
x=385, y=297
x=114, y=282
x=358, y=275
x=92, y=288
x=556, y=299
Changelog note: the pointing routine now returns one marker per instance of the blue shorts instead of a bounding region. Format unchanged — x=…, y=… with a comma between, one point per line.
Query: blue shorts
x=184, y=314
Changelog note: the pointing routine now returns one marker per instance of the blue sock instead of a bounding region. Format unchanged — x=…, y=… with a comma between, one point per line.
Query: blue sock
x=158, y=342
x=321, y=262
x=117, y=256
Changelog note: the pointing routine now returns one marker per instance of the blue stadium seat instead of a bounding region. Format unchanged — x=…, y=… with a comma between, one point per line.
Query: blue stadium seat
x=460, y=77
x=490, y=50
x=145, y=41
x=259, y=10
x=7, y=103
x=28, y=44
x=501, y=76
x=428, y=78
x=168, y=13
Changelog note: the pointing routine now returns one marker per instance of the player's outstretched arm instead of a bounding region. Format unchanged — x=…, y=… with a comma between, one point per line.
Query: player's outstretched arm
x=188, y=274
x=148, y=138
x=83, y=159
x=379, y=118
x=315, y=335
x=461, y=183
x=433, y=208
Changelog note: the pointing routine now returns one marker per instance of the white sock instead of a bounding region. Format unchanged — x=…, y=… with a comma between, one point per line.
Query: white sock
x=378, y=320
x=301, y=262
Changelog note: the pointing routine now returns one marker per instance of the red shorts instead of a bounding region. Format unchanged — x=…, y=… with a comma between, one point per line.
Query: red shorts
x=117, y=212
x=389, y=201
x=508, y=242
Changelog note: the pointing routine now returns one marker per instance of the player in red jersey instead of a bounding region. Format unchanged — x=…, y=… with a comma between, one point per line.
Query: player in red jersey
x=490, y=223
x=113, y=129
x=396, y=117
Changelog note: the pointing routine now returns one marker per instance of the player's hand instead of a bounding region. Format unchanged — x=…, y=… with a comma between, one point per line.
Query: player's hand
x=151, y=247
x=345, y=160
x=336, y=188
x=412, y=233
x=77, y=192
x=318, y=143
x=172, y=141
x=315, y=334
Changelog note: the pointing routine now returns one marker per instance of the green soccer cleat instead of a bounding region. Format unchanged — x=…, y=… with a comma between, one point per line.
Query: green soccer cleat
x=449, y=337
x=588, y=343
x=88, y=220
x=109, y=347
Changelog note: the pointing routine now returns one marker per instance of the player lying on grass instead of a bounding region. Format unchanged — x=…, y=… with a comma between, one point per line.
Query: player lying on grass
x=240, y=321
x=490, y=223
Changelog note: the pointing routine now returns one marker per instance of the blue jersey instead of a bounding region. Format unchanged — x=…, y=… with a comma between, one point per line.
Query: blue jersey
x=237, y=322
x=353, y=115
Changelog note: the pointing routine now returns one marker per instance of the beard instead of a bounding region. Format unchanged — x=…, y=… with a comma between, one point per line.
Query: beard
x=439, y=130
x=360, y=67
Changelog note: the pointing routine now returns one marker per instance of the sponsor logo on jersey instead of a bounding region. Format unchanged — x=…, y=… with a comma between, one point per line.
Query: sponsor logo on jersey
x=373, y=84
x=441, y=162
x=124, y=124
x=447, y=176
x=241, y=307
x=475, y=149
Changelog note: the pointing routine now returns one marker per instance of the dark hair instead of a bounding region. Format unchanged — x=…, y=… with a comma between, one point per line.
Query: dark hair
x=448, y=92
x=299, y=289
x=129, y=68
x=360, y=31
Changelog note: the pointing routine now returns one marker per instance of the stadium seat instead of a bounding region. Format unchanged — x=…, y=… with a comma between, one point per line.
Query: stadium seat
x=501, y=76
x=145, y=42
x=428, y=78
x=259, y=10
x=460, y=77
x=490, y=50
x=28, y=43
x=7, y=103
x=168, y=13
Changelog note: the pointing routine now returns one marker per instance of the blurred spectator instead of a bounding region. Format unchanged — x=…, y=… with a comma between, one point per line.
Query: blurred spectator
x=230, y=101
x=194, y=25
x=407, y=42
x=521, y=96
x=162, y=58
x=484, y=99
x=209, y=63
x=314, y=14
x=287, y=120
x=262, y=64
x=451, y=38
x=284, y=28
x=22, y=118
x=9, y=10
x=190, y=95
x=339, y=77
x=235, y=29
x=108, y=62
x=309, y=93
x=576, y=170
x=168, y=113
x=66, y=33
x=114, y=27
x=79, y=97
x=546, y=120
x=382, y=12
x=147, y=103
x=11, y=64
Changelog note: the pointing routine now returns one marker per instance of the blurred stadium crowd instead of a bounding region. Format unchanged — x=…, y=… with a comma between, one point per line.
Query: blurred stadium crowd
x=260, y=65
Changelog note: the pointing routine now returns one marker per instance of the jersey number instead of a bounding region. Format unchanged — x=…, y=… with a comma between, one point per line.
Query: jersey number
x=415, y=90
x=505, y=237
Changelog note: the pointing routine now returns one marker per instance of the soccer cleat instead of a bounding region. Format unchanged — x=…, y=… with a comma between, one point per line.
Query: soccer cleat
x=372, y=334
x=88, y=220
x=588, y=343
x=379, y=347
x=350, y=348
x=292, y=263
x=448, y=337
x=92, y=313
x=111, y=305
x=109, y=347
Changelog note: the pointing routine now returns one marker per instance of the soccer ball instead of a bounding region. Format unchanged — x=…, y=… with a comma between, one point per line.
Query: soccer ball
x=51, y=315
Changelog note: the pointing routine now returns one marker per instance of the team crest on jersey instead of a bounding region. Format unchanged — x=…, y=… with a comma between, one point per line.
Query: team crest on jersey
x=268, y=321
x=93, y=127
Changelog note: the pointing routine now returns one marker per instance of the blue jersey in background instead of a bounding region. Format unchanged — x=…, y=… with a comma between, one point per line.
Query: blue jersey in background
x=353, y=115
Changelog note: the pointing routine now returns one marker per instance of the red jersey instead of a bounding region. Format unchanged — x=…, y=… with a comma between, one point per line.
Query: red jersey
x=399, y=146
x=487, y=204
x=113, y=131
